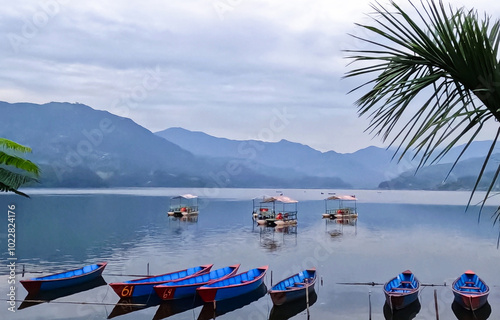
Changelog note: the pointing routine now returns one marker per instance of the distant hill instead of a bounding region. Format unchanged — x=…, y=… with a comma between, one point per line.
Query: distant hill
x=365, y=168
x=77, y=146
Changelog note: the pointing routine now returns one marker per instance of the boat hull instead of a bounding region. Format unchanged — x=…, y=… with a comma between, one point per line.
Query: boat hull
x=233, y=286
x=187, y=287
x=402, y=290
x=470, y=291
x=145, y=286
x=399, y=302
x=470, y=302
x=294, y=288
x=64, y=279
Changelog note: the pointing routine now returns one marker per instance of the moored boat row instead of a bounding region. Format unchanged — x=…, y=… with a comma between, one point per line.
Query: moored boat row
x=401, y=292
x=215, y=285
x=470, y=291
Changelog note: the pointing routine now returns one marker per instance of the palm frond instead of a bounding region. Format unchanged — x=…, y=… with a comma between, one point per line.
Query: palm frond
x=19, y=163
x=8, y=144
x=437, y=68
x=12, y=181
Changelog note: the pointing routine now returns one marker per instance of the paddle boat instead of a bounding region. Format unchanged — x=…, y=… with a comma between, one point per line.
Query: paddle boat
x=217, y=309
x=470, y=291
x=345, y=208
x=187, y=287
x=294, y=287
x=183, y=205
x=233, y=286
x=144, y=286
x=276, y=211
x=402, y=290
x=64, y=279
x=262, y=210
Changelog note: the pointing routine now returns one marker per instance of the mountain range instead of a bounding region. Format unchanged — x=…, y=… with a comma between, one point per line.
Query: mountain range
x=77, y=146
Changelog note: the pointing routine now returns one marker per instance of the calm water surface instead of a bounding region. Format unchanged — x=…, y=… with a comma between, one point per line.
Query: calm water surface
x=427, y=232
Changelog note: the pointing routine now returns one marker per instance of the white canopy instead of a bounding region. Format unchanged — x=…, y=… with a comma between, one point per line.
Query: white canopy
x=341, y=197
x=283, y=199
x=186, y=196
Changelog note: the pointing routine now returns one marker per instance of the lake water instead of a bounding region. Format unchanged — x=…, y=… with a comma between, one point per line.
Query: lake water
x=426, y=232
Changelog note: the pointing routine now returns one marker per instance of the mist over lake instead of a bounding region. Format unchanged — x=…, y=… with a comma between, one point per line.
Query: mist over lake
x=427, y=232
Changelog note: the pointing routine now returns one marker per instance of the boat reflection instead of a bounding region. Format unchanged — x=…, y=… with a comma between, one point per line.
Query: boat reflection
x=273, y=238
x=47, y=296
x=461, y=313
x=225, y=306
x=128, y=305
x=407, y=313
x=172, y=307
x=289, y=310
x=191, y=218
x=338, y=226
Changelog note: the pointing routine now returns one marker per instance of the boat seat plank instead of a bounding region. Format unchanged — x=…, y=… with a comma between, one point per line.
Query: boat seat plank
x=471, y=288
x=402, y=289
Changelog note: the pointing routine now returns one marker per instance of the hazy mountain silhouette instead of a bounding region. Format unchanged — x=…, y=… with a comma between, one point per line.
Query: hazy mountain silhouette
x=77, y=146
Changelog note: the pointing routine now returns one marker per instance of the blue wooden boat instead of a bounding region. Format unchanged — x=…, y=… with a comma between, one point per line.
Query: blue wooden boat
x=187, y=287
x=402, y=290
x=144, y=286
x=64, y=279
x=294, y=287
x=470, y=291
x=233, y=286
x=217, y=309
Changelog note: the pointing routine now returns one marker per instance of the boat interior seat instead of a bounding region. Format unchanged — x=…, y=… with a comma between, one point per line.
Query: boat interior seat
x=470, y=288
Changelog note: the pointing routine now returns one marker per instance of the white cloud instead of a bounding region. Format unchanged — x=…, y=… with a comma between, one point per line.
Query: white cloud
x=223, y=64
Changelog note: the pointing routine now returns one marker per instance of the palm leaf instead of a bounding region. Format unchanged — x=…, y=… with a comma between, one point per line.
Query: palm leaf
x=20, y=163
x=8, y=144
x=14, y=170
x=439, y=70
x=11, y=181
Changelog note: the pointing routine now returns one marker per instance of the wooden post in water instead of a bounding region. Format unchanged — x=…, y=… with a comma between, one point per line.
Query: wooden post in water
x=436, y=304
x=370, y=305
x=307, y=299
x=271, y=278
x=148, y=270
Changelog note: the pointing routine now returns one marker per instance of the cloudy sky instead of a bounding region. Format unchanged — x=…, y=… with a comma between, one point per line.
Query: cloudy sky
x=241, y=69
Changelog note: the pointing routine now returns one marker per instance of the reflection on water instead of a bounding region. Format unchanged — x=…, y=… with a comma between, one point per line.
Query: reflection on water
x=407, y=313
x=339, y=226
x=131, y=230
x=47, y=296
x=461, y=313
x=274, y=238
x=290, y=309
x=132, y=304
x=173, y=307
x=214, y=310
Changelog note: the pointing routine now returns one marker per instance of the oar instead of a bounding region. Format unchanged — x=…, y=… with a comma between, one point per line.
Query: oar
x=381, y=284
x=361, y=283
x=105, y=274
x=78, y=302
x=108, y=274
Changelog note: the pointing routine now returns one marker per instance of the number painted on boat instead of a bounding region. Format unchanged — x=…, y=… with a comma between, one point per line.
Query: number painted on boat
x=168, y=294
x=127, y=291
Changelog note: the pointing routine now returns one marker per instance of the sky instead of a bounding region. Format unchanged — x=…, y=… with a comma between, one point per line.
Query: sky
x=239, y=69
